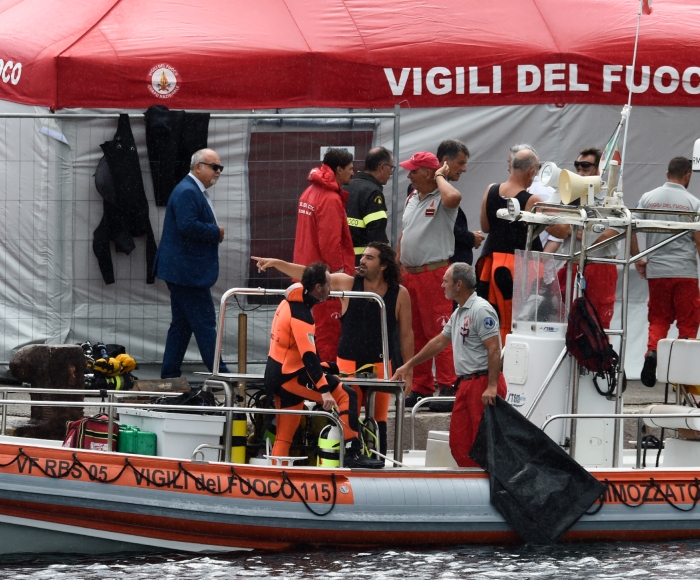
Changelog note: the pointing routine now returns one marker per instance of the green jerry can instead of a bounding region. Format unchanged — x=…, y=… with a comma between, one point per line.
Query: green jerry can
x=133, y=440
x=145, y=443
x=127, y=439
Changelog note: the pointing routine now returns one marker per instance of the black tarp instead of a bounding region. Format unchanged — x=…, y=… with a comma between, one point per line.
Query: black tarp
x=535, y=485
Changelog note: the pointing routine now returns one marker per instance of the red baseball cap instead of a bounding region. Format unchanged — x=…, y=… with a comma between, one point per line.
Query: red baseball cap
x=421, y=159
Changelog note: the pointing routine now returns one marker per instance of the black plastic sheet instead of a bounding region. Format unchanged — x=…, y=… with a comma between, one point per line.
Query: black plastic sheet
x=535, y=485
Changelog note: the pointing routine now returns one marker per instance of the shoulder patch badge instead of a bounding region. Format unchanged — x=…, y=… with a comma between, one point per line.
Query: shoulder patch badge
x=489, y=323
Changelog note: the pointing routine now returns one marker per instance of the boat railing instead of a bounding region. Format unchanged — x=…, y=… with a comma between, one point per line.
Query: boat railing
x=590, y=222
x=267, y=292
x=414, y=410
x=396, y=388
x=619, y=416
x=111, y=405
x=242, y=378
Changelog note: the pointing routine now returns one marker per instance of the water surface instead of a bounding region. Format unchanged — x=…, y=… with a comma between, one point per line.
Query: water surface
x=667, y=560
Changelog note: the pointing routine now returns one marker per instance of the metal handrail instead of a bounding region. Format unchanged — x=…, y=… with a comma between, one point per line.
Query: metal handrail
x=199, y=450
x=547, y=381
x=87, y=392
x=614, y=217
x=216, y=375
x=204, y=409
x=266, y=292
x=395, y=388
x=617, y=417
x=229, y=402
x=414, y=410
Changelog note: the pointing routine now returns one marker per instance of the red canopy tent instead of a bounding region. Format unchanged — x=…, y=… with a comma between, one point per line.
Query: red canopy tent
x=344, y=53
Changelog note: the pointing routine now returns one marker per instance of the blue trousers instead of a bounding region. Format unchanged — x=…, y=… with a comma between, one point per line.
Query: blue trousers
x=193, y=313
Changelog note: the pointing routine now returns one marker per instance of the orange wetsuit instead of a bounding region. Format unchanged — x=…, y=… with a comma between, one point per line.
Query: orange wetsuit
x=294, y=373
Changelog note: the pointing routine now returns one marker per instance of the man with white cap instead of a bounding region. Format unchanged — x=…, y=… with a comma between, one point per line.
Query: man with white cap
x=425, y=246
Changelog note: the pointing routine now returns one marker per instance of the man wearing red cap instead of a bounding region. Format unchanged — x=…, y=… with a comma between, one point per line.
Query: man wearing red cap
x=425, y=246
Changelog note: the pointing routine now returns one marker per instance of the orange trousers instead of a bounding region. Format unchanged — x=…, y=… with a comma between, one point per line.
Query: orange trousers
x=287, y=425
x=381, y=400
x=495, y=283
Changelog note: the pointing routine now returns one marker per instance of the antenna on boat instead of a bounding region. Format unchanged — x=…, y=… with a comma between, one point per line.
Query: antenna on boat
x=644, y=8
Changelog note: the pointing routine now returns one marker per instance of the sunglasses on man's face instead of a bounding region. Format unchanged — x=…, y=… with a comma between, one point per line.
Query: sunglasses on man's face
x=214, y=166
x=583, y=164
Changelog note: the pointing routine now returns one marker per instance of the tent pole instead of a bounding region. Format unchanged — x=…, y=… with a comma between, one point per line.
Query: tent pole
x=395, y=181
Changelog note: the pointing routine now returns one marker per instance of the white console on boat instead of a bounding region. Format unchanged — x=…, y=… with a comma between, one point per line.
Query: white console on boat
x=681, y=453
x=177, y=434
x=677, y=361
x=437, y=450
x=531, y=353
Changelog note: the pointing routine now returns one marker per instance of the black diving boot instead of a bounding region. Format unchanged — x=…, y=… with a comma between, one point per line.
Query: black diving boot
x=355, y=459
x=649, y=369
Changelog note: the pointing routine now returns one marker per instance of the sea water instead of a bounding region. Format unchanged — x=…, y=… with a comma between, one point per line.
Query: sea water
x=667, y=560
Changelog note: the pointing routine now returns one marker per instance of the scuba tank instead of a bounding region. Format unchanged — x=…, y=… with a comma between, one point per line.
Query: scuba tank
x=328, y=451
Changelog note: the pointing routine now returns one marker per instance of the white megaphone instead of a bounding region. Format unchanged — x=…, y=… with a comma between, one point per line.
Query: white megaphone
x=573, y=186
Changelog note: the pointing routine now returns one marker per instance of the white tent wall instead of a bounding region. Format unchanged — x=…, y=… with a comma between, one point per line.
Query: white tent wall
x=34, y=288
x=131, y=312
x=51, y=289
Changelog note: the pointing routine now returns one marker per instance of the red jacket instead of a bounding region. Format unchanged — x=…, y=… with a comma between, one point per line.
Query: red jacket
x=323, y=234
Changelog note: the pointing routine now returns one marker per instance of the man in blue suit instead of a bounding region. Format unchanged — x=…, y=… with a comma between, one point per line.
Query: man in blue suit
x=188, y=261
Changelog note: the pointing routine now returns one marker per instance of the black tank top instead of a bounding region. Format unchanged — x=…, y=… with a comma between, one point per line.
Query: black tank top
x=361, y=334
x=505, y=236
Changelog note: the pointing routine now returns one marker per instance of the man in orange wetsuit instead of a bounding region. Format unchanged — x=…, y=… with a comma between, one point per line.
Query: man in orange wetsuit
x=294, y=372
x=360, y=338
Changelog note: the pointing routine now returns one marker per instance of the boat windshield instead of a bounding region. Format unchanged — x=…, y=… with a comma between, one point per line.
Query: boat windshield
x=537, y=295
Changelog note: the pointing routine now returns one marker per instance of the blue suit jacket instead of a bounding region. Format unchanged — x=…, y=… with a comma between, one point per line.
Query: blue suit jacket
x=188, y=253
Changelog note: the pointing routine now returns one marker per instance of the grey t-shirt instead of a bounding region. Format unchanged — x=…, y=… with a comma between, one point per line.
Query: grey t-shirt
x=428, y=230
x=469, y=326
x=678, y=259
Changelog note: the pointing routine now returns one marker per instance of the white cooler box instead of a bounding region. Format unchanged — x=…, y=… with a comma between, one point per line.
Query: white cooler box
x=177, y=434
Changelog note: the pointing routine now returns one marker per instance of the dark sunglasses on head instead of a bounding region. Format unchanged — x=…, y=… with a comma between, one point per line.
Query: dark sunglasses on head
x=214, y=166
x=583, y=164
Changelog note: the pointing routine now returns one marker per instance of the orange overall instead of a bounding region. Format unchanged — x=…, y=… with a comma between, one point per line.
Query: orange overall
x=495, y=283
x=294, y=373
